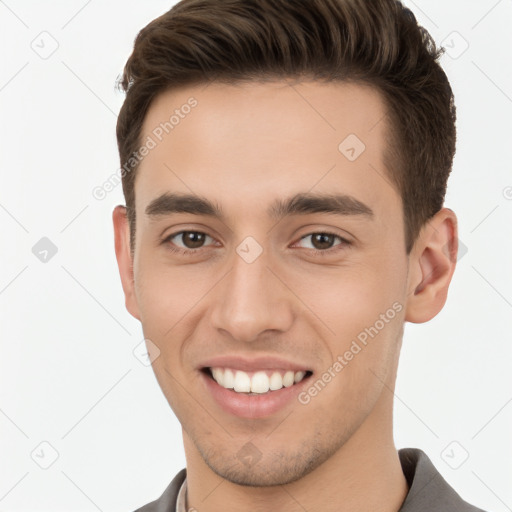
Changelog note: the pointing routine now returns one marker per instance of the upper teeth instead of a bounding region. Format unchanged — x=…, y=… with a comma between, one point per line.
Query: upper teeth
x=259, y=382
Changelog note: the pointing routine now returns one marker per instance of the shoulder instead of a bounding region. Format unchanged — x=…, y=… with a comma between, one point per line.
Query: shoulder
x=428, y=490
x=167, y=501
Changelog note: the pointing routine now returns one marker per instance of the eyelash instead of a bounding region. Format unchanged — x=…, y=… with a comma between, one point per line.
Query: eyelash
x=344, y=243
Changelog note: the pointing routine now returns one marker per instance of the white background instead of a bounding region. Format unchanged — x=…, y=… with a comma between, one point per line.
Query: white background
x=68, y=373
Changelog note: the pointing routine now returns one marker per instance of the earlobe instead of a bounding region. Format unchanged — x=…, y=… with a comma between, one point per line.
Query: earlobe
x=432, y=263
x=124, y=258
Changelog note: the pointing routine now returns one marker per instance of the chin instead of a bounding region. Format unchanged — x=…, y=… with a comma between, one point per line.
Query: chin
x=272, y=469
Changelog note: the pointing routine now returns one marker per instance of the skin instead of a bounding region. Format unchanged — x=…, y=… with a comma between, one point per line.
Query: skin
x=244, y=146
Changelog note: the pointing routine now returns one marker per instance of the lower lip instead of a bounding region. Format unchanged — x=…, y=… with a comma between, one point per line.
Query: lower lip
x=252, y=406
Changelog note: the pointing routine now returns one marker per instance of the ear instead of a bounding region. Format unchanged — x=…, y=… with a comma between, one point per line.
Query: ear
x=124, y=258
x=431, y=265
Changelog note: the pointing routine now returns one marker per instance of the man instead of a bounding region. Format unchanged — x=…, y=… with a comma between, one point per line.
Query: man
x=284, y=169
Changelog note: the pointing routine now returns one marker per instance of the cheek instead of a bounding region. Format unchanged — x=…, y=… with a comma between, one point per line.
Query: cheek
x=164, y=292
x=171, y=303
x=350, y=299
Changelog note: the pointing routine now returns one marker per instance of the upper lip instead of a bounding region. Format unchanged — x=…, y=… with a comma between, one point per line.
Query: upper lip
x=253, y=363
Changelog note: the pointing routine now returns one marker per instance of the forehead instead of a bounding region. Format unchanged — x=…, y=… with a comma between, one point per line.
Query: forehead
x=250, y=143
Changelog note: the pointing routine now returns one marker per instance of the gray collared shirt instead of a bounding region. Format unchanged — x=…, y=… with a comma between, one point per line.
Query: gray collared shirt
x=428, y=490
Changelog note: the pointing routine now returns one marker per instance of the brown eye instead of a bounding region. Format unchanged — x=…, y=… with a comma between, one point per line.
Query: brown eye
x=323, y=241
x=187, y=241
x=193, y=239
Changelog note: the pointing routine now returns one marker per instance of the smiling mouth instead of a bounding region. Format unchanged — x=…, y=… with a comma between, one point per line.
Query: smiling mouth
x=255, y=383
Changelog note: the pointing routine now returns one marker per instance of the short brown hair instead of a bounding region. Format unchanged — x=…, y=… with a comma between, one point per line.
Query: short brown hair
x=375, y=42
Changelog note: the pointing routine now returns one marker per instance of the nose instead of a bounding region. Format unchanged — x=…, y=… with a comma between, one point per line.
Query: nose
x=251, y=300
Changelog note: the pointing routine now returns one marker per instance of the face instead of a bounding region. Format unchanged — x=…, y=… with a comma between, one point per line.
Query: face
x=283, y=275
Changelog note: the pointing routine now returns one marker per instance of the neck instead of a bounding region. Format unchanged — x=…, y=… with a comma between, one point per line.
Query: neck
x=364, y=474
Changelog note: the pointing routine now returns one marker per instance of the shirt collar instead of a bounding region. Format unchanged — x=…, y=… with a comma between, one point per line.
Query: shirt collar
x=181, y=500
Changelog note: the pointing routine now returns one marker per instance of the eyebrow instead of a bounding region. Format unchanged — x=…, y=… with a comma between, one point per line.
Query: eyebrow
x=299, y=204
